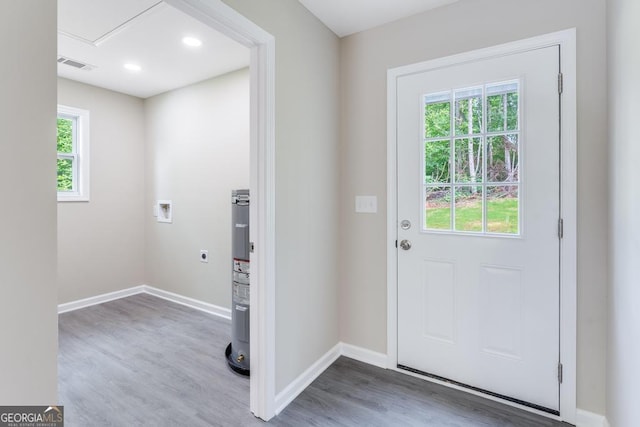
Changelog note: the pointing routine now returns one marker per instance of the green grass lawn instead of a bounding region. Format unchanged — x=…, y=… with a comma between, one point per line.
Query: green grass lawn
x=502, y=216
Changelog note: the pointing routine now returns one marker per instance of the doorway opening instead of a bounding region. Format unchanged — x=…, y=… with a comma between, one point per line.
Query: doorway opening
x=227, y=21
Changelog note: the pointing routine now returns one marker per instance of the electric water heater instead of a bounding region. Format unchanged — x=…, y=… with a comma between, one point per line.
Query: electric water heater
x=238, y=350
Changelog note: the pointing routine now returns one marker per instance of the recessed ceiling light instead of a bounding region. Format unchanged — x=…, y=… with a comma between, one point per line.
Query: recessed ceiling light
x=132, y=67
x=192, y=41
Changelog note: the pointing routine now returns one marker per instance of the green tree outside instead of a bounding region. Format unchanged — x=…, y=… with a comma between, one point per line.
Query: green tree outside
x=65, y=145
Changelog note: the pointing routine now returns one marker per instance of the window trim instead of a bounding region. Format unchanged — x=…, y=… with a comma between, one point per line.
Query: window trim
x=80, y=155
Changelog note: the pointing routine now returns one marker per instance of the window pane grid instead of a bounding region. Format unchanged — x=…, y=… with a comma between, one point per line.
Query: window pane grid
x=479, y=193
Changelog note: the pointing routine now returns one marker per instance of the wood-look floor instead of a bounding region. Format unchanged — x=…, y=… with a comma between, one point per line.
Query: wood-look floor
x=144, y=361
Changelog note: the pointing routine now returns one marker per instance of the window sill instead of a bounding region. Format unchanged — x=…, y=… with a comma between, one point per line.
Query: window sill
x=72, y=198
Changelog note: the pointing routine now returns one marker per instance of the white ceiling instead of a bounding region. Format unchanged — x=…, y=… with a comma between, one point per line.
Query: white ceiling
x=107, y=34
x=346, y=17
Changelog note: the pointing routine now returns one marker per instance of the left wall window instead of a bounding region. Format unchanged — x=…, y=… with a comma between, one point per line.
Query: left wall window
x=73, y=154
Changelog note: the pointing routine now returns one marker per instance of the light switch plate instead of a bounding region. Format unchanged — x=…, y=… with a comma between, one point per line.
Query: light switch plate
x=366, y=204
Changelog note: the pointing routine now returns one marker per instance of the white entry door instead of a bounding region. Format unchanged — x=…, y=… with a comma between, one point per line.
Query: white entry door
x=478, y=219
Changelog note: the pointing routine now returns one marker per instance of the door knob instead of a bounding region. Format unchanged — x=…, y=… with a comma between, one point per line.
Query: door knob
x=405, y=244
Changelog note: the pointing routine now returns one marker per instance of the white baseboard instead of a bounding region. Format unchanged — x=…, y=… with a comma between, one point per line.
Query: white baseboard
x=589, y=419
x=364, y=355
x=298, y=385
x=583, y=418
x=215, y=310
x=99, y=299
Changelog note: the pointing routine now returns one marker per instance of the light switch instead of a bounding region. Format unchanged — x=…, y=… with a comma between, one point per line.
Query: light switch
x=366, y=204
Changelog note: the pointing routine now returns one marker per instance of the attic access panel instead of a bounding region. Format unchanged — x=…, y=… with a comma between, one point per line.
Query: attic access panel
x=90, y=20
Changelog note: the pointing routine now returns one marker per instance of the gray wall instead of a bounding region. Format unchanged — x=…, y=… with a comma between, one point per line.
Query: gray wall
x=28, y=291
x=306, y=182
x=623, y=373
x=197, y=152
x=467, y=25
x=101, y=242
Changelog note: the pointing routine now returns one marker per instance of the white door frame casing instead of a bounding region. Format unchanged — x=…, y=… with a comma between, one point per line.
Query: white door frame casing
x=229, y=22
x=568, y=185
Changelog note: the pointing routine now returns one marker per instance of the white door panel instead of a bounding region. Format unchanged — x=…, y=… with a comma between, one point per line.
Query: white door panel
x=478, y=291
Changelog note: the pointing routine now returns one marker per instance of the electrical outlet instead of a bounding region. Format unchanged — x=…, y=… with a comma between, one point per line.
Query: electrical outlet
x=204, y=255
x=165, y=212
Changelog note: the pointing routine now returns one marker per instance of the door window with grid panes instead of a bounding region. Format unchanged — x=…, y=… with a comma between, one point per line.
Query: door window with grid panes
x=472, y=147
